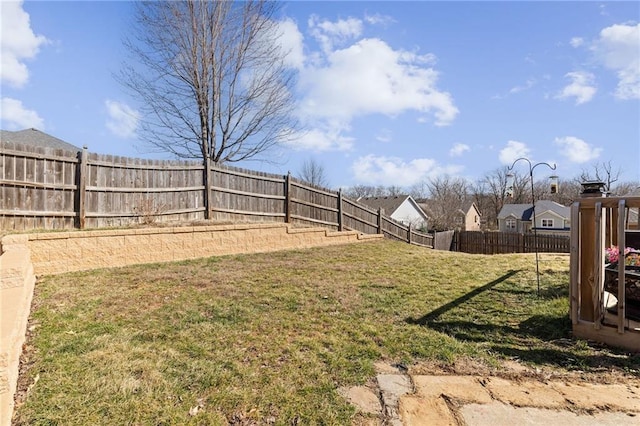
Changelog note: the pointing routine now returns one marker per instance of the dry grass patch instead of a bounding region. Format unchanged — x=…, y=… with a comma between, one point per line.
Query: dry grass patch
x=269, y=338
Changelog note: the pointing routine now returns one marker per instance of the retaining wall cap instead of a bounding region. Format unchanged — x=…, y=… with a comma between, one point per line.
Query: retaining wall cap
x=304, y=230
x=15, y=239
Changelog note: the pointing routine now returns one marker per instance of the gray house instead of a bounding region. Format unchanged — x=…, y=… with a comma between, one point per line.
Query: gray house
x=551, y=218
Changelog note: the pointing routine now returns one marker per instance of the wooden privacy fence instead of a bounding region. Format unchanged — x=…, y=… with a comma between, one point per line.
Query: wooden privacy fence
x=46, y=188
x=509, y=242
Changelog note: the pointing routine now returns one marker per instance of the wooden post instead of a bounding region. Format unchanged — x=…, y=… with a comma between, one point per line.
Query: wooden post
x=340, y=218
x=287, y=198
x=598, y=271
x=81, y=193
x=622, y=242
x=206, y=175
x=574, y=262
x=409, y=234
x=380, y=213
x=587, y=248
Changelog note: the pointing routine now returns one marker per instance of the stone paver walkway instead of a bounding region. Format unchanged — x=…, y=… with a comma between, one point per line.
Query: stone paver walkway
x=401, y=399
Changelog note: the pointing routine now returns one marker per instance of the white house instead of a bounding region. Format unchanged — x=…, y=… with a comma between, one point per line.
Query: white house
x=402, y=208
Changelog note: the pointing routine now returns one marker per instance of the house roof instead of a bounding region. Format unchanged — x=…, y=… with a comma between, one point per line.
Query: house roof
x=391, y=203
x=388, y=204
x=524, y=211
x=547, y=205
x=466, y=207
x=34, y=137
x=519, y=211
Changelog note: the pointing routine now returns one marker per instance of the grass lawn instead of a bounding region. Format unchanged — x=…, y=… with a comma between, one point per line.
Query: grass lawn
x=269, y=338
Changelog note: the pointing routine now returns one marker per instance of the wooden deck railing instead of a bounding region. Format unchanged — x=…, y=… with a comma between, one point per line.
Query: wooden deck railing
x=598, y=223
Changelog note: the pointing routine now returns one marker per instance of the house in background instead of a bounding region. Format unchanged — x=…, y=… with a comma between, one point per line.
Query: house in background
x=444, y=217
x=402, y=208
x=551, y=218
x=34, y=137
x=468, y=217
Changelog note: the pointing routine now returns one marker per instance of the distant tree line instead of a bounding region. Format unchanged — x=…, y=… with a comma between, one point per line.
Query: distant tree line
x=445, y=195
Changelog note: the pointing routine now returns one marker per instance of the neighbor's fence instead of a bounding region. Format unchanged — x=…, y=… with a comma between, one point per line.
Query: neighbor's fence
x=478, y=242
x=56, y=189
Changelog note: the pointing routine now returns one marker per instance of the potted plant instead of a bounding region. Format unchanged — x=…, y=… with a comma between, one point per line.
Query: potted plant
x=631, y=259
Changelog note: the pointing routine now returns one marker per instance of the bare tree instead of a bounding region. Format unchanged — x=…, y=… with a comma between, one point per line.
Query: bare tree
x=211, y=78
x=625, y=188
x=363, y=191
x=490, y=193
x=314, y=173
x=447, y=197
x=602, y=172
x=420, y=190
x=394, y=190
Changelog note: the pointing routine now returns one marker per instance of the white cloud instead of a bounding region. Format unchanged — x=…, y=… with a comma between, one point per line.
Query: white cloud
x=370, y=77
x=528, y=85
x=459, y=149
x=576, y=150
x=576, y=41
x=329, y=34
x=122, y=119
x=16, y=117
x=350, y=77
x=384, y=136
x=378, y=19
x=618, y=49
x=320, y=140
x=513, y=151
x=18, y=42
x=581, y=87
x=374, y=170
x=291, y=40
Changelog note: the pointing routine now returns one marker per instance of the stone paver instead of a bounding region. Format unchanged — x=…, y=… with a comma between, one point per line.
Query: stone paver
x=392, y=388
x=415, y=400
x=595, y=396
x=497, y=413
x=525, y=393
x=363, y=398
x=464, y=388
x=418, y=411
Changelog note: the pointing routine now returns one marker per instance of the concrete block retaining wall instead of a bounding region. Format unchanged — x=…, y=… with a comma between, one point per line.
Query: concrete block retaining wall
x=23, y=256
x=17, y=281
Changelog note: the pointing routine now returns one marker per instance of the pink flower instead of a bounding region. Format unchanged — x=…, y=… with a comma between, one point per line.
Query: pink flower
x=612, y=254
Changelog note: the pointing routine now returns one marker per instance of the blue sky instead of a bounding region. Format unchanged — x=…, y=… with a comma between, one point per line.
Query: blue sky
x=391, y=93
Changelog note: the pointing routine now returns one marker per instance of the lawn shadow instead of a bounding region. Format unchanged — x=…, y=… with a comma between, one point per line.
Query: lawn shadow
x=431, y=316
x=552, y=342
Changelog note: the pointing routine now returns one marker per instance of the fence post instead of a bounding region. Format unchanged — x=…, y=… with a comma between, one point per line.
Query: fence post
x=409, y=234
x=206, y=175
x=287, y=198
x=340, y=218
x=82, y=187
x=380, y=213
